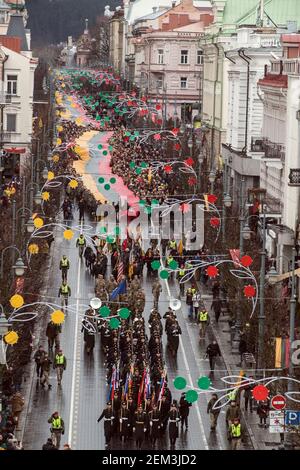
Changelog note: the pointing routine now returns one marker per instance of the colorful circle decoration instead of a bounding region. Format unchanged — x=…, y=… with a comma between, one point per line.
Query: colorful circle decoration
x=55, y=158
x=189, y=162
x=249, y=291
x=73, y=184
x=168, y=169
x=58, y=317
x=107, y=187
x=260, y=392
x=155, y=265
x=138, y=171
x=101, y=180
x=68, y=234
x=38, y=222
x=114, y=323
x=173, y=264
x=177, y=147
x=100, y=146
x=110, y=239
x=117, y=230
x=112, y=180
x=179, y=383
x=45, y=196
x=246, y=261
x=132, y=165
x=50, y=175
x=103, y=230
x=191, y=396
x=212, y=271
x=16, y=301
x=204, y=383
x=192, y=181
x=164, y=274
x=124, y=313
x=104, y=311
x=33, y=249
x=212, y=198
x=142, y=203
x=214, y=222
x=11, y=337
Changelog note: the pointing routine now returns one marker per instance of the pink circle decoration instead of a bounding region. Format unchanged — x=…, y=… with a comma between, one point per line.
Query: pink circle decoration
x=157, y=136
x=192, y=181
x=249, y=291
x=177, y=146
x=214, y=222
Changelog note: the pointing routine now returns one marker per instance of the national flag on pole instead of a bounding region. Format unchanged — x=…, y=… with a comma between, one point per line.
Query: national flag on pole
x=120, y=271
x=180, y=248
x=235, y=255
x=282, y=353
x=121, y=289
x=162, y=387
x=141, y=387
x=111, y=389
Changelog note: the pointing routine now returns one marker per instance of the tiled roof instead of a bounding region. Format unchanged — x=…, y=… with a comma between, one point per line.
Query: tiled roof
x=274, y=80
x=16, y=28
x=12, y=43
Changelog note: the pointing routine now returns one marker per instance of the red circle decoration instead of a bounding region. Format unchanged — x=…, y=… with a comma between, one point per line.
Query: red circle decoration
x=192, y=181
x=214, y=222
x=158, y=107
x=184, y=208
x=189, y=162
x=168, y=169
x=144, y=99
x=211, y=198
x=212, y=271
x=249, y=291
x=246, y=261
x=126, y=138
x=177, y=146
x=175, y=130
x=159, y=122
x=157, y=136
x=260, y=392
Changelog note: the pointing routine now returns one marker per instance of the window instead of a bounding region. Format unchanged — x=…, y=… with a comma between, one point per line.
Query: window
x=160, y=56
x=200, y=58
x=2, y=17
x=159, y=83
x=184, y=56
x=183, y=83
x=11, y=122
x=12, y=81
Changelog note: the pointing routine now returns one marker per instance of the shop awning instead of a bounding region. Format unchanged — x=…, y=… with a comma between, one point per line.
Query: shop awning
x=15, y=150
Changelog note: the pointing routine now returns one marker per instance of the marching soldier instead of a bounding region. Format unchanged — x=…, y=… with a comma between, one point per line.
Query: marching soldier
x=154, y=420
x=124, y=421
x=156, y=290
x=174, y=419
x=108, y=416
x=140, y=421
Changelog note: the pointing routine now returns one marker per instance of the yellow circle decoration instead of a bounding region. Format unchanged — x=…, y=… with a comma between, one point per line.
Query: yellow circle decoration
x=58, y=317
x=12, y=190
x=79, y=121
x=50, y=175
x=55, y=158
x=33, y=249
x=73, y=184
x=59, y=128
x=58, y=141
x=57, y=113
x=16, y=301
x=38, y=222
x=11, y=337
x=45, y=196
x=68, y=234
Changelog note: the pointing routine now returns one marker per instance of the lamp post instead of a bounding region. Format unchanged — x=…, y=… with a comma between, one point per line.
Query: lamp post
x=227, y=201
x=19, y=267
x=4, y=327
x=211, y=178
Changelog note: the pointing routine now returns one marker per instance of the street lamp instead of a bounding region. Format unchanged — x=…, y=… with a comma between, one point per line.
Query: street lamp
x=45, y=173
x=227, y=201
x=19, y=267
x=4, y=327
x=30, y=227
x=246, y=232
x=38, y=198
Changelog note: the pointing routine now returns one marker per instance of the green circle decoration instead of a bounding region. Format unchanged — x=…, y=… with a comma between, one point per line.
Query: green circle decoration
x=191, y=396
x=103, y=230
x=164, y=274
x=180, y=383
x=110, y=148
x=144, y=165
x=114, y=323
x=124, y=313
x=155, y=202
x=107, y=187
x=138, y=171
x=142, y=202
x=117, y=230
x=148, y=210
x=105, y=152
x=132, y=165
x=173, y=264
x=110, y=239
x=101, y=180
x=155, y=264
x=204, y=383
x=104, y=311
x=112, y=180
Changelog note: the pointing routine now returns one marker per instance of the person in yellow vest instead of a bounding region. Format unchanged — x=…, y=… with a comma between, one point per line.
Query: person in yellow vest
x=65, y=293
x=60, y=364
x=57, y=428
x=81, y=243
x=172, y=245
x=189, y=299
x=203, y=320
x=180, y=275
x=64, y=266
x=236, y=434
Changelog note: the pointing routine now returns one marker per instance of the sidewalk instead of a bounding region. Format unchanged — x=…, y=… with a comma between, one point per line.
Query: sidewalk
x=261, y=438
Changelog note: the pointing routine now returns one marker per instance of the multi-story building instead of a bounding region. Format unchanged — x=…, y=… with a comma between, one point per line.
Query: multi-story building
x=17, y=67
x=116, y=39
x=220, y=36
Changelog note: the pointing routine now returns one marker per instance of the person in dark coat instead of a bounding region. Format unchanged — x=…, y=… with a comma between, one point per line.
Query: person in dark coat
x=124, y=421
x=88, y=329
x=212, y=352
x=140, y=422
x=164, y=413
x=154, y=422
x=263, y=412
x=108, y=416
x=174, y=419
x=49, y=445
x=216, y=306
x=184, y=410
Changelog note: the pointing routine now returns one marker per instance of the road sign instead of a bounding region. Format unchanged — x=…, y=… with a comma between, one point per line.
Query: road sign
x=278, y=402
x=276, y=422
x=292, y=418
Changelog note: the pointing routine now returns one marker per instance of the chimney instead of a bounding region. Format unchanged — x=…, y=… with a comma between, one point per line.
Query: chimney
x=173, y=4
x=154, y=9
x=281, y=68
x=266, y=70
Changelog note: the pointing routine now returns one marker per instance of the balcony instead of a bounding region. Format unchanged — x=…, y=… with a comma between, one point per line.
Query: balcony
x=4, y=99
x=274, y=154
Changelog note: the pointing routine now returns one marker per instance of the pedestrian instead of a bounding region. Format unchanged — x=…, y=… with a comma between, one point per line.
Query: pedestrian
x=203, y=320
x=81, y=207
x=57, y=428
x=196, y=303
x=248, y=394
x=184, y=410
x=236, y=434
x=60, y=364
x=213, y=412
x=216, y=306
x=46, y=365
x=39, y=357
x=180, y=276
x=156, y=290
x=64, y=266
x=52, y=332
x=232, y=413
x=49, y=445
x=189, y=300
x=124, y=421
x=108, y=416
x=17, y=405
x=65, y=293
x=212, y=351
x=174, y=419
x=263, y=413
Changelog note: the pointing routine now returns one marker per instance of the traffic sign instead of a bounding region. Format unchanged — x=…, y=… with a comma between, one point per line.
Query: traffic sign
x=276, y=422
x=292, y=418
x=278, y=402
